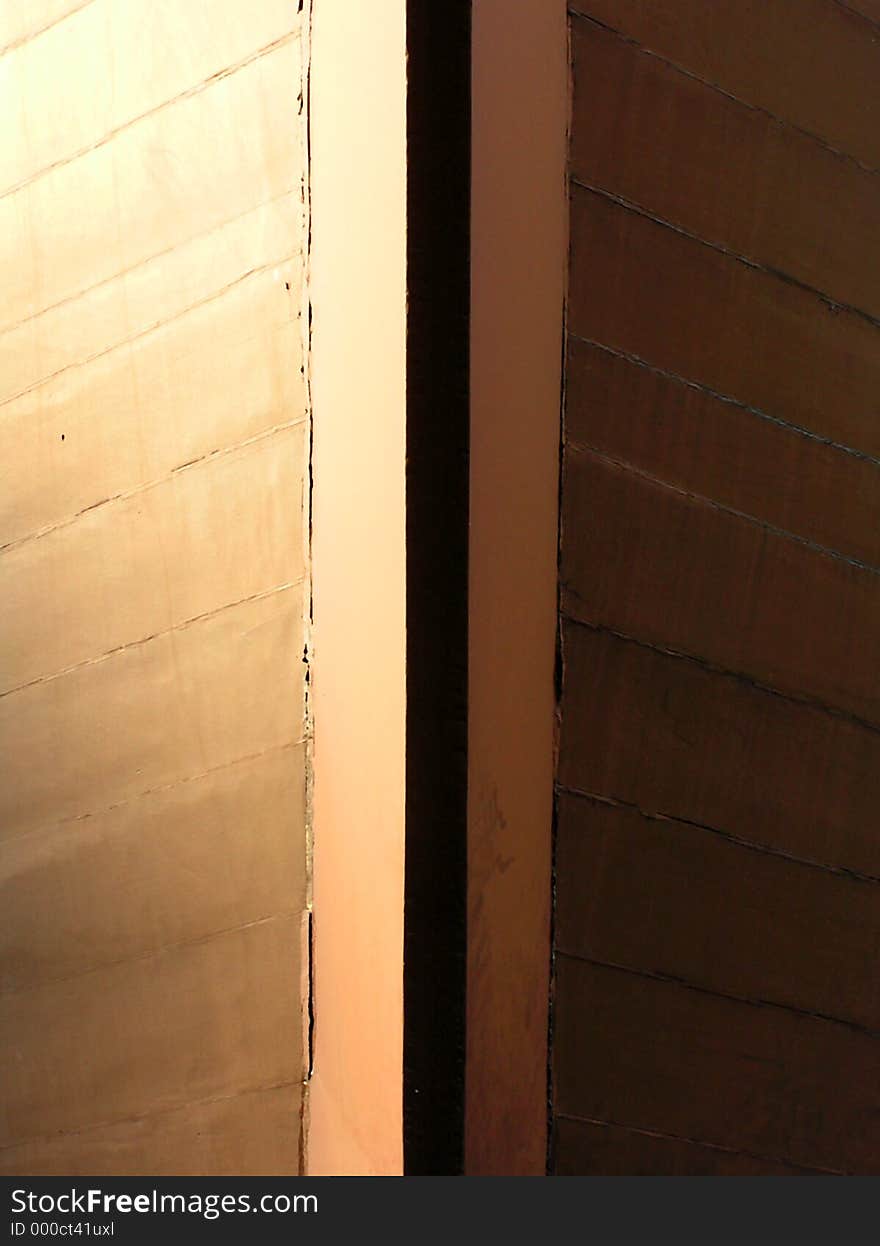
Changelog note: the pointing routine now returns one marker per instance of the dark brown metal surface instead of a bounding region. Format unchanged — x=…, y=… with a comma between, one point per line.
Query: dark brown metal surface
x=716, y=1007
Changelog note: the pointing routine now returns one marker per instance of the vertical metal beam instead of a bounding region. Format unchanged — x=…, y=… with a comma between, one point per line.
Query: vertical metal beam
x=518, y=264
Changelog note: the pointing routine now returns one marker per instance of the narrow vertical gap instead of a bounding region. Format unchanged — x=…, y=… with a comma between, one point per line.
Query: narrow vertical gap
x=558, y=682
x=305, y=313
x=438, y=293
x=559, y=666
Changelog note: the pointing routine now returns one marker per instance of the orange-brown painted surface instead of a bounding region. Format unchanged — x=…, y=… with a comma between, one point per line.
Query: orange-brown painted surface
x=662, y=566
x=710, y=447
x=518, y=224
x=676, y=737
x=619, y=1151
x=811, y=64
x=739, y=331
x=153, y=452
x=647, y=917
x=868, y=8
x=676, y=147
x=650, y=1053
x=717, y=857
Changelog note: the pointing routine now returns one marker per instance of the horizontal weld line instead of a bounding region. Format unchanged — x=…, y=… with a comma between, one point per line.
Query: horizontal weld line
x=160, y=324
x=185, y=1104
x=686, y=984
x=244, y=760
x=764, y=849
x=208, y=457
x=150, y=953
x=720, y=249
x=145, y=640
x=144, y=263
x=792, y=698
x=698, y=1142
x=35, y=34
x=797, y=429
x=196, y=89
x=707, y=82
x=579, y=448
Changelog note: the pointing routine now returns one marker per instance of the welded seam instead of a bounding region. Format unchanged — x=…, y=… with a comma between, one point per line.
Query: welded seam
x=844, y=872
x=244, y=760
x=701, y=388
x=310, y=1019
x=749, y=681
x=719, y=248
x=698, y=1142
x=631, y=469
x=152, y=328
x=35, y=34
x=670, y=979
x=196, y=89
x=759, y=108
x=124, y=495
x=181, y=243
x=184, y=1105
x=174, y=945
x=857, y=13
x=145, y=640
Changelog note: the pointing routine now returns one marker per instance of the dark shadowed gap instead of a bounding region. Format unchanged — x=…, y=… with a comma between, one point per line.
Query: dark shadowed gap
x=438, y=246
